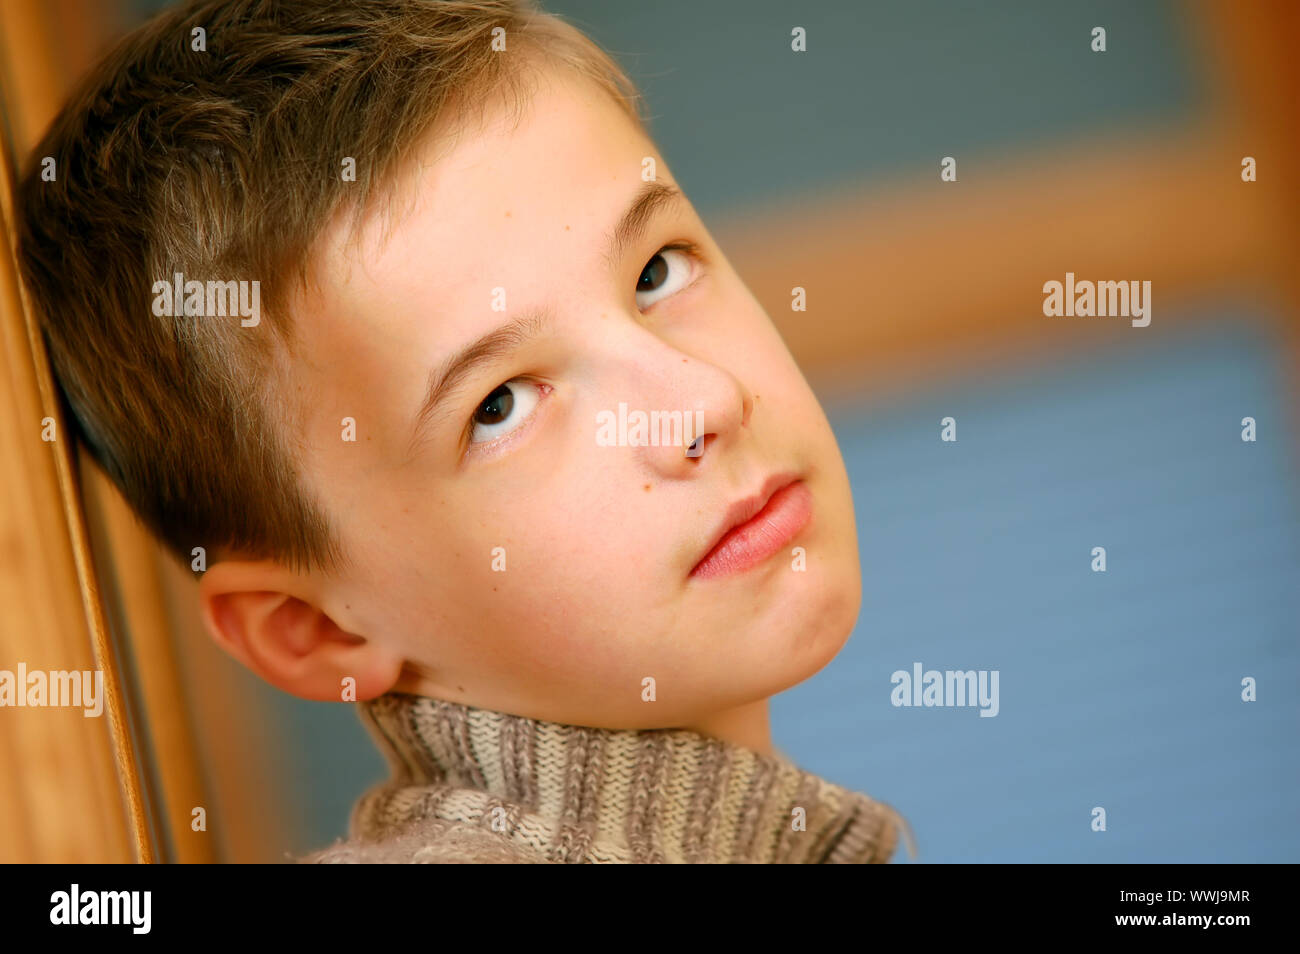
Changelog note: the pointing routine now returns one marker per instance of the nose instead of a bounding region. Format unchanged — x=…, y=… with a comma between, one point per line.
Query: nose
x=712, y=403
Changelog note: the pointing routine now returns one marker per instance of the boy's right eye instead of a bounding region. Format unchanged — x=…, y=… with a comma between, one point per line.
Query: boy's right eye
x=502, y=411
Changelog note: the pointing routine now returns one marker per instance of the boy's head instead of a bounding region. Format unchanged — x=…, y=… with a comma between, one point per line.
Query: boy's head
x=426, y=466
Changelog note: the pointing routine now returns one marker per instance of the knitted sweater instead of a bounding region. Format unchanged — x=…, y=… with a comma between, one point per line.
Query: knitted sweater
x=473, y=785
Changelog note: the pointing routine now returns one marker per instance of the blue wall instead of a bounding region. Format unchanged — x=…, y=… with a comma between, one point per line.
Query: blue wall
x=1119, y=689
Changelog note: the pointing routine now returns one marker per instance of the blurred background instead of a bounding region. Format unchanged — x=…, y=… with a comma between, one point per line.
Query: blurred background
x=821, y=169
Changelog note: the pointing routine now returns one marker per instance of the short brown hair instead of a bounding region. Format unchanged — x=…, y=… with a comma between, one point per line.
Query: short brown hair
x=226, y=163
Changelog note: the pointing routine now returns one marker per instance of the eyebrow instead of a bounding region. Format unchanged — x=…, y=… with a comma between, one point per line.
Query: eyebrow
x=510, y=337
x=652, y=198
x=499, y=343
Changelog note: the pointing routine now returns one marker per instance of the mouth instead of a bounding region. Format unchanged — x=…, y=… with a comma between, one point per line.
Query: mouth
x=756, y=527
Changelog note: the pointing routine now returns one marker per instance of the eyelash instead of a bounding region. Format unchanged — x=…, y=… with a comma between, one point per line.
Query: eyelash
x=488, y=447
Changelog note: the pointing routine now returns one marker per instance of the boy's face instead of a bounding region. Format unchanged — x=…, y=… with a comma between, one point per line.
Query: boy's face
x=499, y=546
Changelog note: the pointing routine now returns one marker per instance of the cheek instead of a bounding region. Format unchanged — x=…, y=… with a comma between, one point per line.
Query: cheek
x=592, y=564
x=570, y=600
x=578, y=551
x=765, y=365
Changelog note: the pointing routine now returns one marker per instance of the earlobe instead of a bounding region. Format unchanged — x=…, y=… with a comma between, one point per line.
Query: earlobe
x=264, y=616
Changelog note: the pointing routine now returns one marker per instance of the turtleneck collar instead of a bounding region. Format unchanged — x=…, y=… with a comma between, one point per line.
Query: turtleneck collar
x=573, y=794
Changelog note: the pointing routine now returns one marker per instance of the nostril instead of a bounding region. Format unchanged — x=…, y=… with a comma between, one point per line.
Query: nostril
x=696, y=447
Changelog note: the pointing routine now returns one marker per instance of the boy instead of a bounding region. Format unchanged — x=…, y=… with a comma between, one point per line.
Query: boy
x=459, y=257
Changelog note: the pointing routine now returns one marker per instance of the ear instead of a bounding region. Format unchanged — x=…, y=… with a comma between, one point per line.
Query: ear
x=268, y=618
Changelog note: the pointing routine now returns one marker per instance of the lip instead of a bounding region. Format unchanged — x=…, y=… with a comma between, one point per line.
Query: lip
x=756, y=527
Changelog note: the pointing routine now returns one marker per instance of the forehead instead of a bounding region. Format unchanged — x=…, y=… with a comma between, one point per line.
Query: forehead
x=493, y=188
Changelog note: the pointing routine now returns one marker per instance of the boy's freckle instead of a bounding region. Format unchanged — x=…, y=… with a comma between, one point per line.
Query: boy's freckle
x=647, y=488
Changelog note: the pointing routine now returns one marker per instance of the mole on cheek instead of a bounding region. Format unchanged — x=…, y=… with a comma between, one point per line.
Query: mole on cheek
x=647, y=488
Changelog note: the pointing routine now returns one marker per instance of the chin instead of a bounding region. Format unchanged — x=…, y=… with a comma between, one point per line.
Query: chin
x=816, y=630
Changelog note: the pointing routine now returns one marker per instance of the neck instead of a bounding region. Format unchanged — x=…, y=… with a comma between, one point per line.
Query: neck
x=748, y=725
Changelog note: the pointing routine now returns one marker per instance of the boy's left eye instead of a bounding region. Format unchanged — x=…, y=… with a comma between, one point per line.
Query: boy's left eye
x=664, y=275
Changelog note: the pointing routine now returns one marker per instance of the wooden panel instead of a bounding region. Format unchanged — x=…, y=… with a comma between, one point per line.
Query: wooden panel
x=72, y=781
x=188, y=700
x=169, y=754
x=82, y=795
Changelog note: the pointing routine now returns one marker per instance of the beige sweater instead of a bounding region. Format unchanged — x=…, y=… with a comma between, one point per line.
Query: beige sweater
x=473, y=785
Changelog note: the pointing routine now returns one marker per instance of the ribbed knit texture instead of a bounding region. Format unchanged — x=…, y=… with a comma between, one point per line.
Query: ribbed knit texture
x=474, y=785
